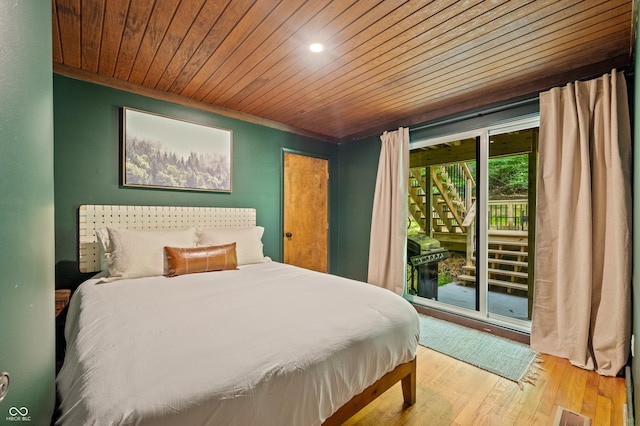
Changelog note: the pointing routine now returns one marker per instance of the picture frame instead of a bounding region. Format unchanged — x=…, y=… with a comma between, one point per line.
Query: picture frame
x=170, y=153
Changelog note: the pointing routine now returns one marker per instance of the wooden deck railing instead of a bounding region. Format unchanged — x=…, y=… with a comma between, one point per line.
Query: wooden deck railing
x=509, y=215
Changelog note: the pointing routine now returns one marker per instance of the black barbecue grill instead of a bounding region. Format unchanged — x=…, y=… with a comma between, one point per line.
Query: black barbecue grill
x=423, y=254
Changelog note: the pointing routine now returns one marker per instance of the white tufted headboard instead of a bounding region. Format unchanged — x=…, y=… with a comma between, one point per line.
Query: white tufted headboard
x=92, y=217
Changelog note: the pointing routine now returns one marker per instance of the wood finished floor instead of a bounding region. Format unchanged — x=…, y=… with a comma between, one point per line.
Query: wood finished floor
x=451, y=392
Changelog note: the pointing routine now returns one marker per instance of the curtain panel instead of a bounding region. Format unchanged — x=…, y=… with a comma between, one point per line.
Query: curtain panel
x=582, y=296
x=388, y=241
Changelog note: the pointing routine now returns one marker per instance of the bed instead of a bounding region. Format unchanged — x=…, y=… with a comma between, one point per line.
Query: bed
x=259, y=342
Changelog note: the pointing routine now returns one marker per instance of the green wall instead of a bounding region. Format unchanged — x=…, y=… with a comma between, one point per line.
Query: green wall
x=357, y=175
x=27, y=345
x=87, y=166
x=635, y=118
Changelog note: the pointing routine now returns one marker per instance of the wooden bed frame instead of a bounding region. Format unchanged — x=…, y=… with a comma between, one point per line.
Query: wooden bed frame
x=93, y=217
x=404, y=372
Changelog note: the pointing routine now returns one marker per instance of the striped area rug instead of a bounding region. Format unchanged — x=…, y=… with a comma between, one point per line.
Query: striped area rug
x=506, y=358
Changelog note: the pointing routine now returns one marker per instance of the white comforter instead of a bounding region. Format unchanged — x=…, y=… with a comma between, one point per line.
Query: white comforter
x=269, y=344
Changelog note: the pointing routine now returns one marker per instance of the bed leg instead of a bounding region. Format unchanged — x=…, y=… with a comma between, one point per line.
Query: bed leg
x=409, y=386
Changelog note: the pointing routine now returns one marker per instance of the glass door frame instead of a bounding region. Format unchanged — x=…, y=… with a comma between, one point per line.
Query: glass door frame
x=481, y=223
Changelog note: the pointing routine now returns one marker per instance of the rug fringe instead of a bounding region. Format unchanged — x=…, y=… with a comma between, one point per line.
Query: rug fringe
x=533, y=372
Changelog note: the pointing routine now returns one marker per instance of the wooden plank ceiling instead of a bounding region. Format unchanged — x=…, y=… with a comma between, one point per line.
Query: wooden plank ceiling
x=386, y=63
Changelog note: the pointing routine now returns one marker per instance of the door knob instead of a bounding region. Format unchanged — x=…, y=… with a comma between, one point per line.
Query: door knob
x=288, y=235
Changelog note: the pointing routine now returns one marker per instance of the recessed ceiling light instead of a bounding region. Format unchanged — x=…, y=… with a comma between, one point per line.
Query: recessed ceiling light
x=316, y=47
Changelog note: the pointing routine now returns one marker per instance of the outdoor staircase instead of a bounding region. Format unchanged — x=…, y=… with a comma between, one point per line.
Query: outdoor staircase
x=448, y=205
x=440, y=194
x=417, y=197
x=507, y=264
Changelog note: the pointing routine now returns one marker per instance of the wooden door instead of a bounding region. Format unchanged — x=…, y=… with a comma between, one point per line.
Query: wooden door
x=306, y=202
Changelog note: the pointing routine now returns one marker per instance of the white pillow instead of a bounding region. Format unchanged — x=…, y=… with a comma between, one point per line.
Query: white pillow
x=132, y=253
x=102, y=235
x=248, y=242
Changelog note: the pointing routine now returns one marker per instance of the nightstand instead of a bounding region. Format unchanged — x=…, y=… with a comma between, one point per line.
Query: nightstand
x=62, y=300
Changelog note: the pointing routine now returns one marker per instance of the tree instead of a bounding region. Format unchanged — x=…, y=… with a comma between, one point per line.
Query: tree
x=509, y=177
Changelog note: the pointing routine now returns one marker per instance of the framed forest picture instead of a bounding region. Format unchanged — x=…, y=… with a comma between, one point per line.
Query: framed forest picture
x=164, y=152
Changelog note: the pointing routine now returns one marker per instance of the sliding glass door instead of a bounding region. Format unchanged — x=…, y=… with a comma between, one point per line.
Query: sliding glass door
x=511, y=204
x=470, y=226
x=442, y=192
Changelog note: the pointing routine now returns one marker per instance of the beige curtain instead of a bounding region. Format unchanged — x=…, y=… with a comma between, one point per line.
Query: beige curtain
x=388, y=242
x=582, y=294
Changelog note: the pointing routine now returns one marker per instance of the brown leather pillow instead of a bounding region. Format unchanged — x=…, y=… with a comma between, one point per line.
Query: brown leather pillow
x=182, y=261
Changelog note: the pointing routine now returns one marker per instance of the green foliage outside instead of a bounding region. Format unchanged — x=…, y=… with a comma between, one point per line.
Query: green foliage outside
x=508, y=177
x=444, y=279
